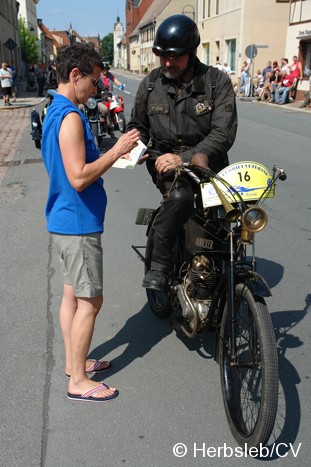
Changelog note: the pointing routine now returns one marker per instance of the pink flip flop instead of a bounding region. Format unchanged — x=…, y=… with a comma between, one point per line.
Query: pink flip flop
x=95, y=368
x=88, y=395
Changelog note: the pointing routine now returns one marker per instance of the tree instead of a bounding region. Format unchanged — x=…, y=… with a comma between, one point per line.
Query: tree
x=107, y=48
x=28, y=41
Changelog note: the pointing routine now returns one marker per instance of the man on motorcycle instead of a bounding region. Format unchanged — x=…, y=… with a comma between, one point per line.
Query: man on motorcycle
x=185, y=112
x=109, y=79
x=104, y=93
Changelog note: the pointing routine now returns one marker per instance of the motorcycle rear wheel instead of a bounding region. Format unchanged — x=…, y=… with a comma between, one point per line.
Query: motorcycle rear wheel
x=249, y=385
x=121, y=122
x=38, y=143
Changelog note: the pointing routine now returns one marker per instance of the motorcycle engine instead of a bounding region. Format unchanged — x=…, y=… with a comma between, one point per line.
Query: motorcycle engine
x=195, y=291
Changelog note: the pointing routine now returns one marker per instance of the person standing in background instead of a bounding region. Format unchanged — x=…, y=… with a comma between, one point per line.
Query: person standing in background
x=6, y=77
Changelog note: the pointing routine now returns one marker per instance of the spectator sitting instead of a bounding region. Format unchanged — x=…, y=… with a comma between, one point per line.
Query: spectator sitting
x=285, y=65
x=283, y=88
x=276, y=72
x=266, y=91
x=259, y=81
x=266, y=70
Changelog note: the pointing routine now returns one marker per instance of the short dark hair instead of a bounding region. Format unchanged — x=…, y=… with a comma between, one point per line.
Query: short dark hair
x=79, y=55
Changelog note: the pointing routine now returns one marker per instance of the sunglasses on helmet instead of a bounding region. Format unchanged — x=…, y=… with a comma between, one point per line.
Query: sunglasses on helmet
x=171, y=54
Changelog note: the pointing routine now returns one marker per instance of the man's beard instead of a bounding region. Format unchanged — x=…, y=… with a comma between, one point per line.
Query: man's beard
x=172, y=72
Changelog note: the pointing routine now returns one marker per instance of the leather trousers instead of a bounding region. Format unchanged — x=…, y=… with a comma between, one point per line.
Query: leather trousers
x=176, y=208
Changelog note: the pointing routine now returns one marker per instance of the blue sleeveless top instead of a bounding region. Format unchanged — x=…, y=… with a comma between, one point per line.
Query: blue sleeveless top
x=67, y=211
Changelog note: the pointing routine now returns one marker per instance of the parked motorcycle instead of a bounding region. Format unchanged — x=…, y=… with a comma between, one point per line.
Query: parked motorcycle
x=37, y=121
x=214, y=286
x=97, y=122
x=115, y=104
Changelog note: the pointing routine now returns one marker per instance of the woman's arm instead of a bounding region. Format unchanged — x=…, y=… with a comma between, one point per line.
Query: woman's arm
x=72, y=145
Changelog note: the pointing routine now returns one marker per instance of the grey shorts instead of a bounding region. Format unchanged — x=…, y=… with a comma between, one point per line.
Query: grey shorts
x=81, y=259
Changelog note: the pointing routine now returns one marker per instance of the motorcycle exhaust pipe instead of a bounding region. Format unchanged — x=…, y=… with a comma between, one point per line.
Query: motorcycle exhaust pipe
x=187, y=305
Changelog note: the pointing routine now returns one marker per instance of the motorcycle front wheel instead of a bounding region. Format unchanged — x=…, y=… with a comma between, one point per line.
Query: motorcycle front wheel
x=121, y=122
x=249, y=382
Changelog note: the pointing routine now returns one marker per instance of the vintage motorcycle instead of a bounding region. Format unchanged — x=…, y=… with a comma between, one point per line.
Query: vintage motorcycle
x=97, y=122
x=214, y=286
x=36, y=121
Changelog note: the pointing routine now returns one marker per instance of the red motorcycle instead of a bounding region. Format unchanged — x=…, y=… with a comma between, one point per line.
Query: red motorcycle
x=116, y=106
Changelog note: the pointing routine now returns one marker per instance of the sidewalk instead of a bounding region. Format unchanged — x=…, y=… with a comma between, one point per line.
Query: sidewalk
x=24, y=99
x=294, y=106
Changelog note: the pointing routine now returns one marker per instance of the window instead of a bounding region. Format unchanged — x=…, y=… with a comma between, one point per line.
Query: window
x=206, y=48
x=231, y=53
x=305, y=48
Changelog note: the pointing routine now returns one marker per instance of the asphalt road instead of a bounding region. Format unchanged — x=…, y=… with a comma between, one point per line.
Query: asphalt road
x=169, y=388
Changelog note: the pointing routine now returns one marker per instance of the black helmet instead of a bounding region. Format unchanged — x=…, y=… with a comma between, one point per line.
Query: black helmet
x=177, y=35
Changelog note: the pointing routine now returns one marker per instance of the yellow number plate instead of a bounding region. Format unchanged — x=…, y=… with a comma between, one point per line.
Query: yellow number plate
x=250, y=179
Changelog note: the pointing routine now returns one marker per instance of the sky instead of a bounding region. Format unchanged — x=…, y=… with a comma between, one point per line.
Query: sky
x=87, y=17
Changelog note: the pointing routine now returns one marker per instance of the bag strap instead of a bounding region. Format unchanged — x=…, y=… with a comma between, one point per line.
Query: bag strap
x=153, y=76
x=213, y=72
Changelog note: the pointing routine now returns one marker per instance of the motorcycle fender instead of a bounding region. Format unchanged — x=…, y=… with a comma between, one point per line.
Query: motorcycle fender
x=36, y=126
x=256, y=283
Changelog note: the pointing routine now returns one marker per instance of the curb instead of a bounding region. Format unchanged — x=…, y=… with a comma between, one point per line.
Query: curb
x=293, y=108
x=23, y=105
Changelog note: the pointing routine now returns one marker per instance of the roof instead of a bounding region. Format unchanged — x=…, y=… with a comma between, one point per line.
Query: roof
x=46, y=31
x=65, y=37
x=155, y=9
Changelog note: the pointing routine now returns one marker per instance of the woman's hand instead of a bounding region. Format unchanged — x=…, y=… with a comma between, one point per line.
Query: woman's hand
x=126, y=143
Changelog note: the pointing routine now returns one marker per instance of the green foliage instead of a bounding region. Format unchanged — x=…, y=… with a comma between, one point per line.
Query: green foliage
x=28, y=41
x=107, y=48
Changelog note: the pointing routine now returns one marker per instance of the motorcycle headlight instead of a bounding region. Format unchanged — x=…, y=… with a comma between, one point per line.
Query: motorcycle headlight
x=254, y=219
x=91, y=103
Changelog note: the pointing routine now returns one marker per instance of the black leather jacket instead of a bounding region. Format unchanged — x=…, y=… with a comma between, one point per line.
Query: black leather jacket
x=187, y=121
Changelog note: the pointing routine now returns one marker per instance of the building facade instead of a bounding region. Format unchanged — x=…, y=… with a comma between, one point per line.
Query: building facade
x=229, y=27
x=9, y=37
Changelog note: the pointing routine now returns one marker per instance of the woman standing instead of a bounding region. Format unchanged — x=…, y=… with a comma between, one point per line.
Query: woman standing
x=75, y=212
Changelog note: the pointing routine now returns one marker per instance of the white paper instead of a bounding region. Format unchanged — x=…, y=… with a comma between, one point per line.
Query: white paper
x=135, y=156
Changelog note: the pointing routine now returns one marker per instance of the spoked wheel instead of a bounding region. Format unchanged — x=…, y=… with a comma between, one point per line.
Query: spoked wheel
x=250, y=383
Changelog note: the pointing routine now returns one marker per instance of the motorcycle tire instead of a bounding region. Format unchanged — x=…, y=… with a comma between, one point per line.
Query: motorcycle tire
x=121, y=122
x=38, y=143
x=94, y=129
x=249, y=384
